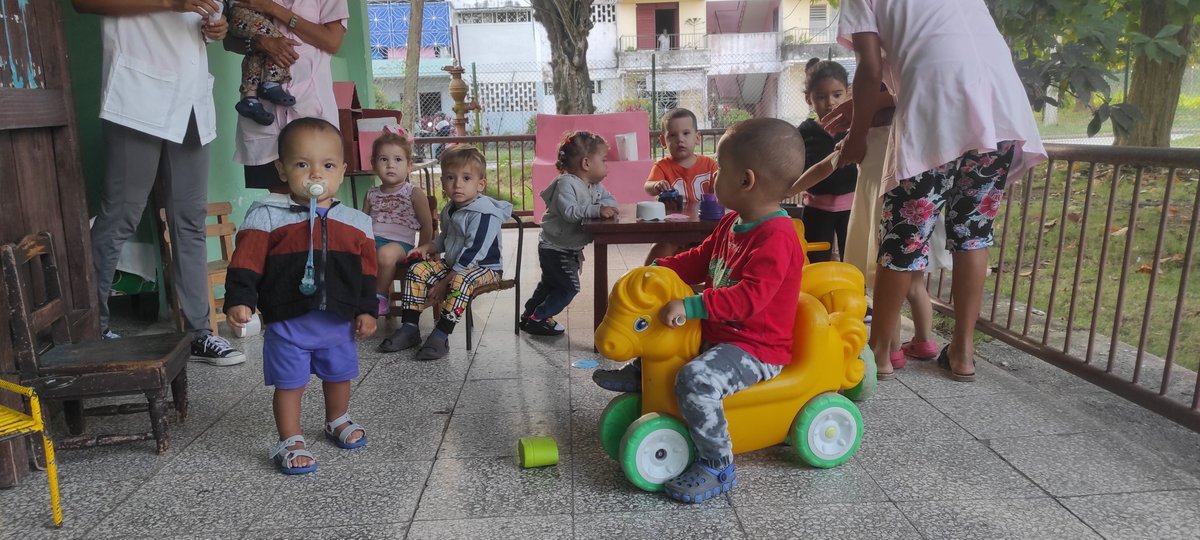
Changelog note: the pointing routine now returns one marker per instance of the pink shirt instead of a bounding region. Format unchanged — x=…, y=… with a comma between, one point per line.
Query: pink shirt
x=311, y=84
x=392, y=214
x=955, y=85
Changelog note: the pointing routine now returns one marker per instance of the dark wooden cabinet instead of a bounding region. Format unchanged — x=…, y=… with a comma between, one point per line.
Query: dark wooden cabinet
x=41, y=185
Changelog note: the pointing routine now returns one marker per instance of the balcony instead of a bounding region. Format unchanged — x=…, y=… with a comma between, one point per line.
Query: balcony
x=800, y=44
x=751, y=52
x=669, y=51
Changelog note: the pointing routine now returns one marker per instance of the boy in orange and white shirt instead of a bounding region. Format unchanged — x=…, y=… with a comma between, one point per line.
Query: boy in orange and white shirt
x=683, y=170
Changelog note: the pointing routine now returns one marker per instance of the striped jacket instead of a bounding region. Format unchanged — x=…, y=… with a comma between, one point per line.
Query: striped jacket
x=272, y=249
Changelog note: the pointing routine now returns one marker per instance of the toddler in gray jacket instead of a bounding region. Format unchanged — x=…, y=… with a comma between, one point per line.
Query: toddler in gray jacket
x=574, y=196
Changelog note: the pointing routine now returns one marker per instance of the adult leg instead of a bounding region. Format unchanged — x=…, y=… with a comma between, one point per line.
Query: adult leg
x=186, y=179
x=971, y=208
x=922, y=310
x=131, y=166
x=890, y=289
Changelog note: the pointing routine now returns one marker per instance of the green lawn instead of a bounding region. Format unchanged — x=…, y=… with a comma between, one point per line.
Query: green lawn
x=1104, y=273
x=1073, y=124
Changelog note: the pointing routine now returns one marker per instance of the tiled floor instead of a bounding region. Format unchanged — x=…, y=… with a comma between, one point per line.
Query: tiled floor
x=1010, y=456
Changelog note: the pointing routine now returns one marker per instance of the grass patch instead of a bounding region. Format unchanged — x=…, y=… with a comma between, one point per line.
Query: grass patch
x=1084, y=233
x=1073, y=124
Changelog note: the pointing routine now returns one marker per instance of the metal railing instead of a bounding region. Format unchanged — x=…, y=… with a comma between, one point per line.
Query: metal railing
x=509, y=160
x=1092, y=272
x=814, y=35
x=674, y=42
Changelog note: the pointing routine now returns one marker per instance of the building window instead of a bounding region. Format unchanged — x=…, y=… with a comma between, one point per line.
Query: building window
x=508, y=97
x=818, y=16
x=597, y=85
x=604, y=12
x=494, y=16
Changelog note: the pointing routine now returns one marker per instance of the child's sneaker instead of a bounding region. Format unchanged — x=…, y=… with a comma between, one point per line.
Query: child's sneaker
x=700, y=483
x=109, y=334
x=626, y=379
x=544, y=327
x=274, y=92
x=216, y=351
x=252, y=108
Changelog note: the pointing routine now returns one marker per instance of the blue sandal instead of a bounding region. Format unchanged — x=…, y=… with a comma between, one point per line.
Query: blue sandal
x=340, y=438
x=283, y=456
x=700, y=483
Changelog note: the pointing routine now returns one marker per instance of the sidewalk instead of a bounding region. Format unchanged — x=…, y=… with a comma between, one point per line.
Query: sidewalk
x=1027, y=451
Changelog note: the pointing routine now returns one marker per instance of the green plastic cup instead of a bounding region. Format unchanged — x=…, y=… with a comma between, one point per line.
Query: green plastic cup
x=538, y=452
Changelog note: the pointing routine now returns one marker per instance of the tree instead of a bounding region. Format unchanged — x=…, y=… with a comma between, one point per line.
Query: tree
x=412, y=66
x=567, y=23
x=1158, y=67
x=1076, y=45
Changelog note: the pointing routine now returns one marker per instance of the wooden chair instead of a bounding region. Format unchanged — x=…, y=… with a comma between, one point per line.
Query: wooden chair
x=42, y=346
x=15, y=424
x=223, y=229
x=513, y=282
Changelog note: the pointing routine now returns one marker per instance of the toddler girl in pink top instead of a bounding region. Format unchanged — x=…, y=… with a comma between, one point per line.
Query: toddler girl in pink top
x=399, y=210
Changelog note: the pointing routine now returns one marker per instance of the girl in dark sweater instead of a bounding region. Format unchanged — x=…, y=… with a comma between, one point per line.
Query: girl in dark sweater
x=827, y=204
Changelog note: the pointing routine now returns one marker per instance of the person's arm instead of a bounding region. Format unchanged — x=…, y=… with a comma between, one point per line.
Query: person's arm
x=140, y=7
x=606, y=197
x=658, y=181
x=814, y=174
x=867, y=78
x=566, y=199
x=327, y=37
x=248, y=260
x=420, y=204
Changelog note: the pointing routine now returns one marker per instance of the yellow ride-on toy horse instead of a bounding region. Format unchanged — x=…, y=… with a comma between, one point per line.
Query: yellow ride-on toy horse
x=805, y=406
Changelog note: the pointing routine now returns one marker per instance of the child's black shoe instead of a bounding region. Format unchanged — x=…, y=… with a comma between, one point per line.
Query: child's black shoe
x=276, y=94
x=544, y=327
x=252, y=108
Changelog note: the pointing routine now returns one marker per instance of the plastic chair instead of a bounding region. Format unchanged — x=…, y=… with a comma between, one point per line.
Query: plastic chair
x=15, y=424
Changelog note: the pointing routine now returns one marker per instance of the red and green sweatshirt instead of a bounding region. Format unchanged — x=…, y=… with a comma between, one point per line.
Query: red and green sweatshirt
x=752, y=276
x=272, y=249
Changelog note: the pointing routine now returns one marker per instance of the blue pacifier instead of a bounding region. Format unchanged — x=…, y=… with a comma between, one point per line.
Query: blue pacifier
x=308, y=283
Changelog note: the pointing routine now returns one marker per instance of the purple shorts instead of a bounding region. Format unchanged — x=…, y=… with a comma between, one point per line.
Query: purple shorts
x=316, y=343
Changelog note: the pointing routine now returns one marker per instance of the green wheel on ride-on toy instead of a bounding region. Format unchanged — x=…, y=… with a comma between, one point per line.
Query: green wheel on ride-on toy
x=622, y=411
x=655, y=448
x=827, y=431
x=870, y=382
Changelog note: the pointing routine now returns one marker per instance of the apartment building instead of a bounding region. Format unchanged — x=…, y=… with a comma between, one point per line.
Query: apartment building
x=719, y=58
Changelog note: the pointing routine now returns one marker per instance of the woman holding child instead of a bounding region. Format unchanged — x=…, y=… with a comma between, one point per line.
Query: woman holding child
x=962, y=128
x=309, y=33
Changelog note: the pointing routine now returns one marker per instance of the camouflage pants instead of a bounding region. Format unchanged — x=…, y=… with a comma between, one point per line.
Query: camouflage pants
x=701, y=385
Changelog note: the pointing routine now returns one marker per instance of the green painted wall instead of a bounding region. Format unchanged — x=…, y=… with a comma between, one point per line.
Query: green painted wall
x=353, y=62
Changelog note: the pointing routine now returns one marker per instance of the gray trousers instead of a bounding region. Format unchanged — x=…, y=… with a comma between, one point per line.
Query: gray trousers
x=132, y=162
x=701, y=385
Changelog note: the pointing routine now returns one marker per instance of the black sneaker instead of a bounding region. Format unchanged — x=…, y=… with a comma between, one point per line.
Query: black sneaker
x=216, y=351
x=544, y=327
x=626, y=379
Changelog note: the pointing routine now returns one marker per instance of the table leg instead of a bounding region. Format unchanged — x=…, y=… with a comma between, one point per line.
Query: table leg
x=601, y=281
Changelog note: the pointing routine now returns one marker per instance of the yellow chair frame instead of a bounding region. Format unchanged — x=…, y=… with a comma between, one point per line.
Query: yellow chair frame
x=15, y=424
